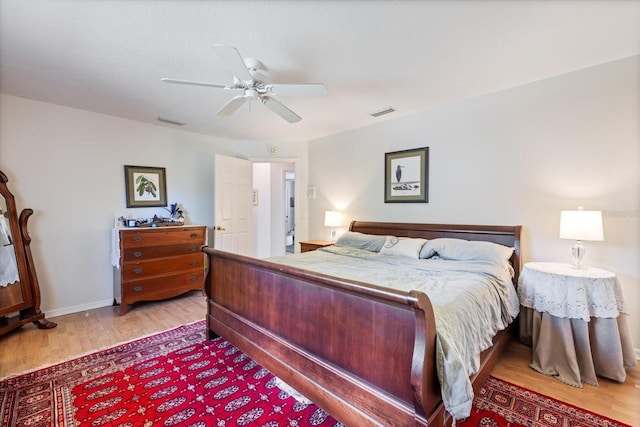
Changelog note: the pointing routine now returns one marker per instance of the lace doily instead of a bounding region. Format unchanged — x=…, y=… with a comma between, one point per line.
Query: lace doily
x=563, y=291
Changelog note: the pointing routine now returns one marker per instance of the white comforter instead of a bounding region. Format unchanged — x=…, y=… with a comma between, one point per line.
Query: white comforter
x=471, y=302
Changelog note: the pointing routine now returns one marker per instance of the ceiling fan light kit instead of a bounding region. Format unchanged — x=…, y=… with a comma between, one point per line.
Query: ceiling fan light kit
x=249, y=77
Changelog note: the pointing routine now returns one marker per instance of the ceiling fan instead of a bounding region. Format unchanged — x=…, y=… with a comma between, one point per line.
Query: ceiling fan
x=248, y=77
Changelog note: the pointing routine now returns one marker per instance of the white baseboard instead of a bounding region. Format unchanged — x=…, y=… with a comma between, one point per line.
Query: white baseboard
x=77, y=308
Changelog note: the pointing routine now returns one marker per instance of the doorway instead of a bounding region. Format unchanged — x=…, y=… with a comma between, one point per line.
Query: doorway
x=289, y=209
x=274, y=207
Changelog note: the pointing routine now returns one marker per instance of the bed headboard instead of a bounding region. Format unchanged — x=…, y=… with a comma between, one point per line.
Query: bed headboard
x=502, y=234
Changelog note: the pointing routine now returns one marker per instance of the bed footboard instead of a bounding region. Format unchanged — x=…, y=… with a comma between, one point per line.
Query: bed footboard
x=364, y=354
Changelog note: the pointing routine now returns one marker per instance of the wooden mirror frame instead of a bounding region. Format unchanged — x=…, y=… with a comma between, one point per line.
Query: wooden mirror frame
x=20, y=301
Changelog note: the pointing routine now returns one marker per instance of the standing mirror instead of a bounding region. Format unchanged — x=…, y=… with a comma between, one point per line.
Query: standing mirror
x=19, y=289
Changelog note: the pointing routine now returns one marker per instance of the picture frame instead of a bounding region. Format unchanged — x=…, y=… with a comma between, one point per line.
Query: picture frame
x=406, y=176
x=146, y=186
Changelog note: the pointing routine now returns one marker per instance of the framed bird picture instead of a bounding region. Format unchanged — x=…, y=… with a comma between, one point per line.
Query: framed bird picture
x=406, y=176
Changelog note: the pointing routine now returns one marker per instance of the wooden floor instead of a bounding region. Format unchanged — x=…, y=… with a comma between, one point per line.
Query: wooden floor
x=28, y=348
x=612, y=399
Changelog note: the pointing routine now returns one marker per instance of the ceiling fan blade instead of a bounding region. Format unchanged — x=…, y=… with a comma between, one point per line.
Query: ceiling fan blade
x=281, y=110
x=233, y=60
x=190, y=82
x=232, y=106
x=304, y=89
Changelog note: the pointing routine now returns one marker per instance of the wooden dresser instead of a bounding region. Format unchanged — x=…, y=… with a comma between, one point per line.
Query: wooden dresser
x=158, y=263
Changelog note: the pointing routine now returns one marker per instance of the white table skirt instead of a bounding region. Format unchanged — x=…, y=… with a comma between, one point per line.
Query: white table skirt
x=575, y=351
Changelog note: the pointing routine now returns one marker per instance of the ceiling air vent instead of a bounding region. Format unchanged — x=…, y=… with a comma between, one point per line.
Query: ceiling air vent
x=382, y=112
x=171, y=122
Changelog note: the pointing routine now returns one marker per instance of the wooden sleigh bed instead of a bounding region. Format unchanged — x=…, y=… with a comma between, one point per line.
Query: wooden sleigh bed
x=365, y=354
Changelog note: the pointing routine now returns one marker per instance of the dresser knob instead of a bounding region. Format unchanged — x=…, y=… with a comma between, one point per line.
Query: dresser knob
x=194, y=263
x=194, y=235
x=137, y=239
x=193, y=278
x=192, y=248
x=137, y=254
x=137, y=288
x=137, y=270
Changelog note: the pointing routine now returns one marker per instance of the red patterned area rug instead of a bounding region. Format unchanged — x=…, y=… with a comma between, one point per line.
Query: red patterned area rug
x=502, y=404
x=179, y=378
x=175, y=378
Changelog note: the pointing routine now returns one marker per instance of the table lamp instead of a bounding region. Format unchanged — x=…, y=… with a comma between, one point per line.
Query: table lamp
x=332, y=219
x=580, y=225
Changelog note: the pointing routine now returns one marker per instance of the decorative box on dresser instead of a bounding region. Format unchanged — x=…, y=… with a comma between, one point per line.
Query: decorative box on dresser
x=157, y=263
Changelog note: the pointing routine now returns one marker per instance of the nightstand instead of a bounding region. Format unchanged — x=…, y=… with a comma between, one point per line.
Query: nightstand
x=312, y=245
x=576, y=322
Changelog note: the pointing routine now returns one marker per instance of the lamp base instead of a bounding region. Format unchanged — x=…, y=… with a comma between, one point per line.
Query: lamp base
x=577, y=252
x=333, y=235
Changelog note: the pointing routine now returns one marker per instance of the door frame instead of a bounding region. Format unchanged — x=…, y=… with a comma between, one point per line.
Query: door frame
x=296, y=167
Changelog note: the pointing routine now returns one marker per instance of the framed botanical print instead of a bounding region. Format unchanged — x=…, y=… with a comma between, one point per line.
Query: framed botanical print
x=146, y=186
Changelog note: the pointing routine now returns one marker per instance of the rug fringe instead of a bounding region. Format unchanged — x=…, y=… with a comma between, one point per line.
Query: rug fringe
x=292, y=392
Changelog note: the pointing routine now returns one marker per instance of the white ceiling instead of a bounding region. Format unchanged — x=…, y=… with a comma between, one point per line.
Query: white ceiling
x=108, y=56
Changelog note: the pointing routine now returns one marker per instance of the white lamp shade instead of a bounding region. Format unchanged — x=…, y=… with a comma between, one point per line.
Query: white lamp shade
x=332, y=219
x=581, y=225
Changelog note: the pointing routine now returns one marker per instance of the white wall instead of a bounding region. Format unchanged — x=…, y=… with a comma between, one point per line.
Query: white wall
x=514, y=157
x=68, y=166
x=262, y=212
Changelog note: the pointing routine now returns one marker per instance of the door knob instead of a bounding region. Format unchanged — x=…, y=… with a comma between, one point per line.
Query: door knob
x=219, y=228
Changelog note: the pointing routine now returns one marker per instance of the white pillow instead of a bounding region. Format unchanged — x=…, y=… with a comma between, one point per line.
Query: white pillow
x=427, y=251
x=465, y=250
x=357, y=240
x=402, y=246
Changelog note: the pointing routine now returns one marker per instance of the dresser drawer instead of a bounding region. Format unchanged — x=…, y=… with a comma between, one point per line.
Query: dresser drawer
x=165, y=236
x=162, y=287
x=142, y=253
x=142, y=269
x=158, y=263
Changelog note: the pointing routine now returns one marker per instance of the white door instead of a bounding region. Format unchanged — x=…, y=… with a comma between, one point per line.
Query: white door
x=233, y=231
